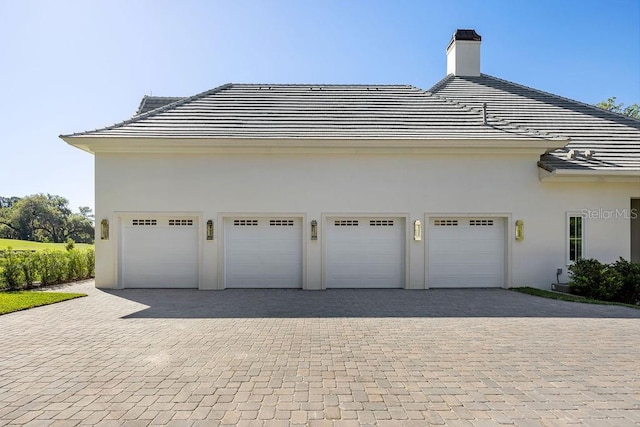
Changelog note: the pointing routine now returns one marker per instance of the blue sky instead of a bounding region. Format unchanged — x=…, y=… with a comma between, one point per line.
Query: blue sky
x=68, y=66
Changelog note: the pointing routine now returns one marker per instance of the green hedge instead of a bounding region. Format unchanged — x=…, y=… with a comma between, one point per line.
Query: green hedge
x=20, y=270
x=618, y=281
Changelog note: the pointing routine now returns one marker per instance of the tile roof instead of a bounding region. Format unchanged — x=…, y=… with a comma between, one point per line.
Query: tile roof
x=149, y=103
x=600, y=140
x=452, y=109
x=313, y=111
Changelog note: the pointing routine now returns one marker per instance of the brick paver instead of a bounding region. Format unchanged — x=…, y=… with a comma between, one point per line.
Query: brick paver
x=333, y=358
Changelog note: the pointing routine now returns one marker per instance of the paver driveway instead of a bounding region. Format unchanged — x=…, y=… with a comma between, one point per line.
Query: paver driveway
x=258, y=357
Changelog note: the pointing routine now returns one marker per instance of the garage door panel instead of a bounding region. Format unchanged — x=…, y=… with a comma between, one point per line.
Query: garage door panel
x=365, y=253
x=160, y=252
x=466, y=252
x=263, y=253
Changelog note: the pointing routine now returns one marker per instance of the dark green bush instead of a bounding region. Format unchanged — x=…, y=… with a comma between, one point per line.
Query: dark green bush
x=628, y=275
x=619, y=281
x=587, y=277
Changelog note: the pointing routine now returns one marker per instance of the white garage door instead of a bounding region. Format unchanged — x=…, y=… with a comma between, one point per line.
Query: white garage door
x=263, y=252
x=365, y=253
x=466, y=252
x=159, y=252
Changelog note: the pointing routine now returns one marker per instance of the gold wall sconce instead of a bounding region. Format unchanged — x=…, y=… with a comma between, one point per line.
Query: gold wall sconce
x=417, y=230
x=314, y=230
x=209, y=230
x=519, y=230
x=104, y=229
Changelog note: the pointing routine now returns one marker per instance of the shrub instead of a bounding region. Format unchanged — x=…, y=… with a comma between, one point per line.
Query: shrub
x=76, y=265
x=29, y=265
x=91, y=262
x=587, y=277
x=70, y=244
x=52, y=267
x=628, y=275
x=11, y=273
x=49, y=266
x=619, y=281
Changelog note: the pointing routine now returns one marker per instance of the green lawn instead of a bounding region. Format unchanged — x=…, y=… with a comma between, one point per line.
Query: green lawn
x=22, y=300
x=568, y=297
x=24, y=245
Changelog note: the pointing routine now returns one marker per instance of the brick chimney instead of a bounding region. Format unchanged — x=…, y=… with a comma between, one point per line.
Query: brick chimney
x=463, y=53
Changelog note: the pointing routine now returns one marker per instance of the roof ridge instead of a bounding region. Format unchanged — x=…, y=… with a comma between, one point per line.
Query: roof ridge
x=160, y=97
x=146, y=98
x=441, y=83
x=500, y=120
x=564, y=98
x=151, y=113
x=325, y=84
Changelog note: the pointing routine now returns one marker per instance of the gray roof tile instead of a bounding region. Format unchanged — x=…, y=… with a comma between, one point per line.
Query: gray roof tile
x=612, y=139
x=150, y=103
x=451, y=110
x=314, y=111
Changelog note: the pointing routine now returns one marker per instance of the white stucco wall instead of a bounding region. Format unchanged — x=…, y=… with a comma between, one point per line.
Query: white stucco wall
x=411, y=185
x=463, y=58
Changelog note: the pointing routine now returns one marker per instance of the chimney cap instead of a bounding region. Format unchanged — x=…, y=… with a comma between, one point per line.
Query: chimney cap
x=465, y=35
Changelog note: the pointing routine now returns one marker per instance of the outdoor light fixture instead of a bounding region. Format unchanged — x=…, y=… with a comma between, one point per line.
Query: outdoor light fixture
x=519, y=230
x=104, y=229
x=417, y=230
x=314, y=230
x=209, y=230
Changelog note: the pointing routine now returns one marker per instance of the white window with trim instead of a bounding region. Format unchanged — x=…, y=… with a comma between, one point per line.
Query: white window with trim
x=575, y=236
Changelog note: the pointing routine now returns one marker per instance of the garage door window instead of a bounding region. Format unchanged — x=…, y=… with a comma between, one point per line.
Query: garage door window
x=346, y=223
x=281, y=223
x=481, y=222
x=381, y=223
x=181, y=222
x=144, y=222
x=445, y=222
x=245, y=222
x=575, y=237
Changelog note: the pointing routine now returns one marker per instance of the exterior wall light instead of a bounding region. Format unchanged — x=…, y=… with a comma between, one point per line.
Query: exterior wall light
x=209, y=230
x=417, y=230
x=104, y=229
x=519, y=230
x=314, y=230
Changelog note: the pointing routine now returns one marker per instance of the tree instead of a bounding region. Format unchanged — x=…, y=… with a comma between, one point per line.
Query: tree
x=44, y=218
x=632, y=110
x=86, y=212
x=7, y=202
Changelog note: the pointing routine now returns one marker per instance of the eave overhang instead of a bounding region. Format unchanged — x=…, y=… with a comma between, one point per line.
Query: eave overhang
x=590, y=175
x=191, y=145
